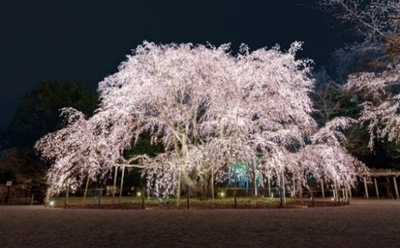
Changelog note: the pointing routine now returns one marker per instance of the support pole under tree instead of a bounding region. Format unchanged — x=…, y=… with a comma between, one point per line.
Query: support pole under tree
x=86, y=188
x=188, y=198
x=47, y=197
x=294, y=187
x=283, y=190
x=66, y=196
x=269, y=187
x=122, y=184
x=115, y=184
x=322, y=188
x=255, y=182
x=336, y=193
x=8, y=194
x=366, y=188
x=212, y=183
x=234, y=192
x=376, y=188
x=301, y=190
x=178, y=194
x=280, y=193
x=142, y=195
x=100, y=192
x=389, y=194
x=395, y=188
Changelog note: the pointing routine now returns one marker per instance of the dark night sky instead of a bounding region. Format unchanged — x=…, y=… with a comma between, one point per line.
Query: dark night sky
x=87, y=40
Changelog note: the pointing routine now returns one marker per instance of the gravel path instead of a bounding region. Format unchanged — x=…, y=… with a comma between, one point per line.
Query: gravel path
x=373, y=223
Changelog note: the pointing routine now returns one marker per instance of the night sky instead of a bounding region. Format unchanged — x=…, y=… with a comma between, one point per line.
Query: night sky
x=87, y=40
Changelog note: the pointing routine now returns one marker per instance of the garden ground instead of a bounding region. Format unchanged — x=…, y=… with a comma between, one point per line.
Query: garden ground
x=363, y=223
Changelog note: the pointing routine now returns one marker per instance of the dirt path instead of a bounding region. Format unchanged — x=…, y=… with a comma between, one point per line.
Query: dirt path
x=362, y=224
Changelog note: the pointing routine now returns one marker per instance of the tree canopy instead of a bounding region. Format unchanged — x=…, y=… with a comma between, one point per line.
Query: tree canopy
x=208, y=108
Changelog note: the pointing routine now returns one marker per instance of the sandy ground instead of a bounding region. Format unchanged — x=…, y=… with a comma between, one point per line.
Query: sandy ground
x=373, y=223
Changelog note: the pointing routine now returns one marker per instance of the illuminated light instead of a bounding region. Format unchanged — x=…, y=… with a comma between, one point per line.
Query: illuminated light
x=332, y=198
x=222, y=194
x=51, y=203
x=138, y=194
